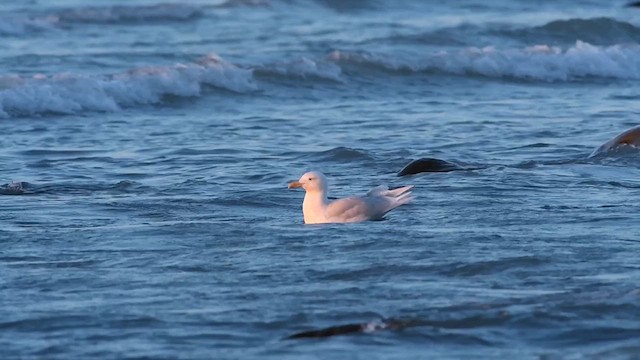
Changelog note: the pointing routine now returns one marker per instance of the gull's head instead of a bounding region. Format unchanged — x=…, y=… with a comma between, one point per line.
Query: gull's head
x=311, y=182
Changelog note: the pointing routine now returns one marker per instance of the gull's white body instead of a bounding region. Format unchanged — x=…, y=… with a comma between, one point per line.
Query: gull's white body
x=318, y=209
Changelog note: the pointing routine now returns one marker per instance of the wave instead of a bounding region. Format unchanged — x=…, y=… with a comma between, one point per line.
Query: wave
x=120, y=13
x=492, y=266
x=367, y=327
x=488, y=319
x=70, y=93
x=237, y=3
x=538, y=63
x=303, y=68
x=552, y=318
x=595, y=30
x=602, y=30
x=75, y=188
x=348, y=5
x=23, y=25
x=341, y=154
x=12, y=24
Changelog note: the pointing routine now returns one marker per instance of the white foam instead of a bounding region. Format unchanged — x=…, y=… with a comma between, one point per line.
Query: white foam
x=375, y=325
x=70, y=93
x=540, y=62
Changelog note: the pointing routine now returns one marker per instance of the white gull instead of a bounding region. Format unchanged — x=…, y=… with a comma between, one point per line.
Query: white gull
x=318, y=209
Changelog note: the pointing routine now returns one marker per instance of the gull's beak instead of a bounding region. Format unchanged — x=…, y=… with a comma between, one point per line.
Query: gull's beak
x=295, y=184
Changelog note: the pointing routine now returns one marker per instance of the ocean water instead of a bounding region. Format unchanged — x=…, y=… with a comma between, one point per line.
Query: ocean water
x=146, y=148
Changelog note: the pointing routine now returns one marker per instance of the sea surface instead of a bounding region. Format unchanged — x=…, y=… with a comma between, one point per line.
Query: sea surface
x=146, y=147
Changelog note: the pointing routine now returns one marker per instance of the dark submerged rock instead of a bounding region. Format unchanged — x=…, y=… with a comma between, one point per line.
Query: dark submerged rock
x=429, y=165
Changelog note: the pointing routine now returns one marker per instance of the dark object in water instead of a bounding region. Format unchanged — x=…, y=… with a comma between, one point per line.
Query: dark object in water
x=391, y=324
x=429, y=165
x=629, y=137
x=15, y=188
x=330, y=331
x=633, y=4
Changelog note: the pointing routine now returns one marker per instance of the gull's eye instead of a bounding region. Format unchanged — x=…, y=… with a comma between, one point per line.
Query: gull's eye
x=310, y=179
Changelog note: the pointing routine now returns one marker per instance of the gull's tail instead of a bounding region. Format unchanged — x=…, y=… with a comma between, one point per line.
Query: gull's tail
x=395, y=197
x=399, y=196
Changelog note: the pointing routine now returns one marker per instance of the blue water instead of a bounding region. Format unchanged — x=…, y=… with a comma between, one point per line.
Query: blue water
x=146, y=148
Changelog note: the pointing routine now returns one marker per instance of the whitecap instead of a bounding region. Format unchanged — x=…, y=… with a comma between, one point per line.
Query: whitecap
x=70, y=93
x=539, y=62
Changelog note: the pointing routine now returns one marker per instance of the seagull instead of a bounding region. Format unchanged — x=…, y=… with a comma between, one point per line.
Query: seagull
x=318, y=209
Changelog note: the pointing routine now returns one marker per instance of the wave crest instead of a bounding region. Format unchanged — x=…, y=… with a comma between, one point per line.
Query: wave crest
x=70, y=93
x=539, y=62
x=303, y=68
x=57, y=19
x=121, y=13
x=602, y=29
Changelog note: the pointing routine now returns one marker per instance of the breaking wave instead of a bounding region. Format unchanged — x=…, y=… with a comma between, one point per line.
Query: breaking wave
x=12, y=24
x=303, y=68
x=538, y=63
x=602, y=30
x=70, y=93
